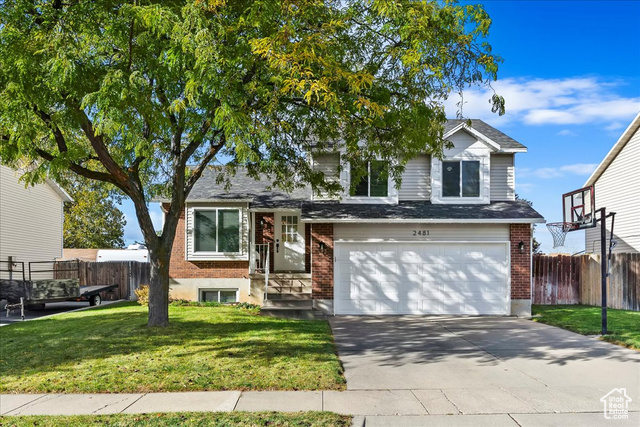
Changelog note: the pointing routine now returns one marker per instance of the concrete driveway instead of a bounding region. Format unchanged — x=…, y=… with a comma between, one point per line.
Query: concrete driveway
x=480, y=365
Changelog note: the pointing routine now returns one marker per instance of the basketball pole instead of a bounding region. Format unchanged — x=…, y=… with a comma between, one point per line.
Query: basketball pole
x=603, y=259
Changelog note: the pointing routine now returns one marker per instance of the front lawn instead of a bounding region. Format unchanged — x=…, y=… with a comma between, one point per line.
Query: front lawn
x=623, y=326
x=192, y=419
x=111, y=350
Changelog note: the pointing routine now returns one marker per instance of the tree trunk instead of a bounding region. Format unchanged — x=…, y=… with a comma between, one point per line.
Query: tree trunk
x=159, y=287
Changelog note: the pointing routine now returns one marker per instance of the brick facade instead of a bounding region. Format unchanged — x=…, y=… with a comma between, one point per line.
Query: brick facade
x=180, y=268
x=520, y=262
x=322, y=262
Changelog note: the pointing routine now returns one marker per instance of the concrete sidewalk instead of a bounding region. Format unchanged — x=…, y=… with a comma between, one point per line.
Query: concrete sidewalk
x=428, y=407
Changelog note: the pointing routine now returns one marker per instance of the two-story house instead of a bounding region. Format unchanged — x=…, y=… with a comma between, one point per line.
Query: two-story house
x=615, y=185
x=31, y=221
x=452, y=239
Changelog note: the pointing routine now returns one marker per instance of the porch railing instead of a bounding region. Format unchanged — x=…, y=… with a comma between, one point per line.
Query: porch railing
x=260, y=258
x=260, y=262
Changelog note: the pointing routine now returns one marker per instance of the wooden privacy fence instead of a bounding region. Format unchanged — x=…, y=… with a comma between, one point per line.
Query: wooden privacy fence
x=128, y=275
x=566, y=279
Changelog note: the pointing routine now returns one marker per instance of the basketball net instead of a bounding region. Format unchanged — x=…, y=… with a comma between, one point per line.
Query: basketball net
x=559, y=231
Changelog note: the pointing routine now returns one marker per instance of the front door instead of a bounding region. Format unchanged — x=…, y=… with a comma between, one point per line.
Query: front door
x=289, y=247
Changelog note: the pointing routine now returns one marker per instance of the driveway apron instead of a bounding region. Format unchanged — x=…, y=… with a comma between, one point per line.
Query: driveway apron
x=484, y=365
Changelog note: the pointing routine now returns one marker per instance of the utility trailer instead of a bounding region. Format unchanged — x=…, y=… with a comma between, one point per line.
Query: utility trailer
x=38, y=285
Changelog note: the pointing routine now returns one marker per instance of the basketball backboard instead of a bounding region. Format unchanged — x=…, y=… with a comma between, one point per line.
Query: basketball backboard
x=579, y=208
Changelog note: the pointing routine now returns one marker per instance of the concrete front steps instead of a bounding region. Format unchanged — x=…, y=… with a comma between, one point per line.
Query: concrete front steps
x=289, y=295
x=291, y=306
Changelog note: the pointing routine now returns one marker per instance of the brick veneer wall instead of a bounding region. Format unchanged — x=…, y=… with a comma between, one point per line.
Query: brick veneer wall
x=179, y=268
x=322, y=263
x=520, y=262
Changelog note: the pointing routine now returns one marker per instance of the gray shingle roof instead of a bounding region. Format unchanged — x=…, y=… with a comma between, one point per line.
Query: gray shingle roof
x=490, y=132
x=245, y=187
x=418, y=210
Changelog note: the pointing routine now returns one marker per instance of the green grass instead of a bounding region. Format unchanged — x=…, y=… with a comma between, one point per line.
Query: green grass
x=241, y=419
x=111, y=350
x=623, y=326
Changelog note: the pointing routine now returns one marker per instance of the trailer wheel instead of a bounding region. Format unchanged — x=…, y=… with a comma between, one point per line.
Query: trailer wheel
x=95, y=300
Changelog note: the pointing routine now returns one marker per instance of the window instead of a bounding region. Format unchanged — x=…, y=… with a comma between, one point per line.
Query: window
x=224, y=296
x=217, y=230
x=374, y=183
x=461, y=179
x=290, y=228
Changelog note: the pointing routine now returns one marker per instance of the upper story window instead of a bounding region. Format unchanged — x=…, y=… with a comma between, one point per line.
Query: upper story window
x=217, y=230
x=461, y=178
x=374, y=183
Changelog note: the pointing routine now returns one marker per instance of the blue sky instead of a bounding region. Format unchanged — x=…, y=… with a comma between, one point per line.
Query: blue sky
x=571, y=80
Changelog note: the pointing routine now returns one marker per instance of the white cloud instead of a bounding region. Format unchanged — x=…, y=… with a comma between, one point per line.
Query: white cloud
x=584, y=169
x=580, y=168
x=567, y=132
x=570, y=101
x=525, y=187
x=615, y=126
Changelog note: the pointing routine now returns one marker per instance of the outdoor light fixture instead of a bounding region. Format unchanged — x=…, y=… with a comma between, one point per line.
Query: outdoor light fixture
x=262, y=222
x=521, y=247
x=322, y=247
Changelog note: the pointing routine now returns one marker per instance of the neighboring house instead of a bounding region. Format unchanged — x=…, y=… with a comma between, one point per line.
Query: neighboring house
x=451, y=240
x=31, y=220
x=616, y=188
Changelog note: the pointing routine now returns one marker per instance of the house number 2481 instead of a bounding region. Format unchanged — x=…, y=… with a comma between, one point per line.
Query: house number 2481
x=420, y=232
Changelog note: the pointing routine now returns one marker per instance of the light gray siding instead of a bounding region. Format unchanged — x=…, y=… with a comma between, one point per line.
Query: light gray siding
x=436, y=232
x=618, y=190
x=31, y=220
x=502, y=177
x=189, y=234
x=416, y=179
x=329, y=164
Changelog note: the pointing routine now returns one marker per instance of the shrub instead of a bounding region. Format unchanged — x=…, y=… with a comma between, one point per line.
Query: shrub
x=142, y=293
x=249, y=307
x=187, y=303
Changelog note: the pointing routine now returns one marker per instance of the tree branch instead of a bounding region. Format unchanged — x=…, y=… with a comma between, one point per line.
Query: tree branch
x=162, y=96
x=101, y=149
x=57, y=134
x=195, y=142
x=197, y=172
x=81, y=170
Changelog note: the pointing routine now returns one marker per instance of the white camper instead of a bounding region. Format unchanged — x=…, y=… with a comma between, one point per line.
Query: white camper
x=135, y=252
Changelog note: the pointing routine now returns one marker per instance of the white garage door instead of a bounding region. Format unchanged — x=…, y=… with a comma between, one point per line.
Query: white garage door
x=421, y=278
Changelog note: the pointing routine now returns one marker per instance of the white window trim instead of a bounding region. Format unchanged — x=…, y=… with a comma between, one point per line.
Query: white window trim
x=190, y=241
x=437, y=185
x=459, y=196
x=202, y=290
x=392, y=192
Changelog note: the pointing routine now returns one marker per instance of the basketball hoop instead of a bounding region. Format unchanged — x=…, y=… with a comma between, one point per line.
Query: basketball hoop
x=559, y=231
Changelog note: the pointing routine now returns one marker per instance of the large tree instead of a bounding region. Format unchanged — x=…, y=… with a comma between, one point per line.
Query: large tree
x=132, y=92
x=93, y=219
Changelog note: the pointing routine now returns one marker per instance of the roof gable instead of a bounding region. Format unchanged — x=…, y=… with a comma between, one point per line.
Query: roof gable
x=615, y=150
x=462, y=127
x=488, y=133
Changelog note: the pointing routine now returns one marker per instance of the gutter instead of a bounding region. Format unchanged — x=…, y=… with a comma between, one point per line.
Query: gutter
x=426, y=220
